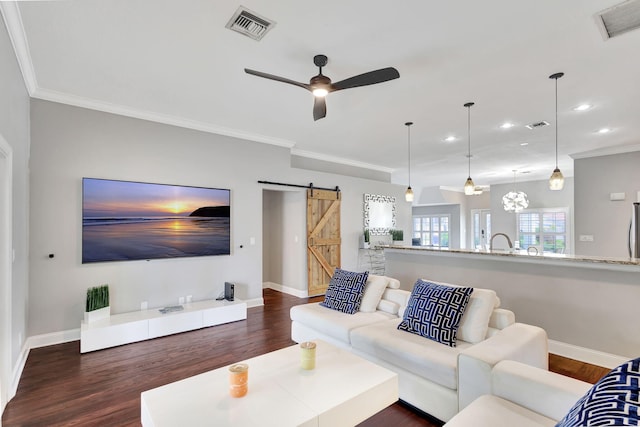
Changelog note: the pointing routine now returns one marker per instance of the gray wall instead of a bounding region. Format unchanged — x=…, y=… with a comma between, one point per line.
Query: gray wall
x=14, y=127
x=69, y=143
x=586, y=307
x=596, y=215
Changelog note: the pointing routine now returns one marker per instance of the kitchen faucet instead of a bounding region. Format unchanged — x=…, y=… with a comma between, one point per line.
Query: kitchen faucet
x=499, y=234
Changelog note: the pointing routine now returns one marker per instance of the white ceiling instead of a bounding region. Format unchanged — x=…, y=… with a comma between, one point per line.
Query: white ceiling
x=174, y=61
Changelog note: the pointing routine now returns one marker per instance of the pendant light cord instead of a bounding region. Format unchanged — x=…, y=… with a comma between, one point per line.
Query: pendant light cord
x=469, y=137
x=408, y=125
x=556, y=76
x=469, y=105
x=556, y=123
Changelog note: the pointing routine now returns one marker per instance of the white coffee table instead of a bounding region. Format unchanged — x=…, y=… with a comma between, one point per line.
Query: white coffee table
x=343, y=390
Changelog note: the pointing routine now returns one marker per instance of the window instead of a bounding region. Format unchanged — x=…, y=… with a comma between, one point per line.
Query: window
x=545, y=229
x=432, y=230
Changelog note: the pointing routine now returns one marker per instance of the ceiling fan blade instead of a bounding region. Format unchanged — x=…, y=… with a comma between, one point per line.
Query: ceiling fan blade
x=370, y=78
x=319, y=108
x=277, y=78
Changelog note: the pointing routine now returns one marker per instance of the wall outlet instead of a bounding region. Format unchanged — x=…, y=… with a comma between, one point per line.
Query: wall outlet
x=189, y=298
x=586, y=238
x=144, y=305
x=181, y=300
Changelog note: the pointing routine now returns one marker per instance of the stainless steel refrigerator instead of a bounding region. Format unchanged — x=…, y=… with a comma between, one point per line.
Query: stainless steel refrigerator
x=634, y=232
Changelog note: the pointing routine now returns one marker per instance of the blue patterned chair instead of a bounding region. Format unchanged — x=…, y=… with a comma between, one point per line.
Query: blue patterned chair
x=526, y=396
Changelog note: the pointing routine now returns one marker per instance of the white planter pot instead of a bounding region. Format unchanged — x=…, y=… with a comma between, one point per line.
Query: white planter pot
x=101, y=313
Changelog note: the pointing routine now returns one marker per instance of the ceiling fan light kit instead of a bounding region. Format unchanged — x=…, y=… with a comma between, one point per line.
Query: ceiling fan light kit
x=320, y=85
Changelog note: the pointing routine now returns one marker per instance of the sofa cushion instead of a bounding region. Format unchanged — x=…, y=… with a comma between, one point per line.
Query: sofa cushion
x=394, y=301
x=434, y=311
x=475, y=320
x=424, y=358
x=345, y=291
x=611, y=401
x=393, y=283
x=492, y=411
x=373, y=290
x=334, y=323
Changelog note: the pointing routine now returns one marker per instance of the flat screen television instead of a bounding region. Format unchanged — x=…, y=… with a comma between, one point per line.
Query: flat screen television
x=124, y=220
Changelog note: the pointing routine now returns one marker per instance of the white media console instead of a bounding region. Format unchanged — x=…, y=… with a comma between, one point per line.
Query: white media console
x=142, y=325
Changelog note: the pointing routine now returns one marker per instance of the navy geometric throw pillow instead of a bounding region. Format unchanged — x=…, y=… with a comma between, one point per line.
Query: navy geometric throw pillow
x=434, y=311
x=345, y=291
x=612, y=401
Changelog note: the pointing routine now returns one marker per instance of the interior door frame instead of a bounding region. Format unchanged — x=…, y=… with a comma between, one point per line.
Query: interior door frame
x=6, y=261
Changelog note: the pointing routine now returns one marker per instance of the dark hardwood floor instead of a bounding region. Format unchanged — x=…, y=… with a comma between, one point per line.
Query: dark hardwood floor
x=61, y=387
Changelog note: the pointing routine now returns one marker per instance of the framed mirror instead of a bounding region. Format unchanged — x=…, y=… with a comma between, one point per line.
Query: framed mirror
x=379, y=213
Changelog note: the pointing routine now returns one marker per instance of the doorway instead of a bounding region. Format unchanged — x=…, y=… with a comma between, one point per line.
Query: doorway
x=284, y=240
x=480, y=228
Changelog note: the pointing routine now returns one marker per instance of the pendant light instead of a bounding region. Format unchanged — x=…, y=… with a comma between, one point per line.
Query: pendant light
x=515, y=201
x=469, y=186
x=556, y=181
x=408, y=195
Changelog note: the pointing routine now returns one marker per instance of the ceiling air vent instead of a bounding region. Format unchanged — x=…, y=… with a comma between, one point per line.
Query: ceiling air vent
x=249, y=23
x=619, y=19
x=537, y=125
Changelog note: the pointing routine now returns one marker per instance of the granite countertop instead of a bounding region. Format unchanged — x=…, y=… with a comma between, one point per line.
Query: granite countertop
x=522, y=255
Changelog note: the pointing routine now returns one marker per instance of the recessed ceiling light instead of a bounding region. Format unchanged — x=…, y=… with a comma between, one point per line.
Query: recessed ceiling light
x=524, y=143
x=507, y=125
x=582, y=107
x=604, y=130
x=450, y=138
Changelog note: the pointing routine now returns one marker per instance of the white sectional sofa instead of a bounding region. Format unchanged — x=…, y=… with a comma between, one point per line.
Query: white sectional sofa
x=435, y=378
x=526, y=396
x=522, y=396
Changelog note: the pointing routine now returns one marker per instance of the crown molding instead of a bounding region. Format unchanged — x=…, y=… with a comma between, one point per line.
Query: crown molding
x=78, y=101
x=13, y=22
x=339, y=160
x=607, y=151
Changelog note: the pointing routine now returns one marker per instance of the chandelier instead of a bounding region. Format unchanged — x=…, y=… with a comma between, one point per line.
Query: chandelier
x=515, y=201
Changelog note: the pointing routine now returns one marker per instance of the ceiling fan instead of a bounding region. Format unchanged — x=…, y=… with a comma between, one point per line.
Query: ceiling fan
x=321, y=85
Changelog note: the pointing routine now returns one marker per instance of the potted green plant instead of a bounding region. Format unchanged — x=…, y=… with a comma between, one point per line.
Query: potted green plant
x=366, y=238
x=97, y=304
x=396, y=235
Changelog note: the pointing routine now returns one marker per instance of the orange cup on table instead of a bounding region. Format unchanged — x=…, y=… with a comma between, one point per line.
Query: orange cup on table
x=238, y=379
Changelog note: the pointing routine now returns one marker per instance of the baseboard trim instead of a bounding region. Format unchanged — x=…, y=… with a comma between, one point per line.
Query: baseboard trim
x=255, y=302
x=17, y=370
x=285, y=289
x=53, y=338
x=586, y=355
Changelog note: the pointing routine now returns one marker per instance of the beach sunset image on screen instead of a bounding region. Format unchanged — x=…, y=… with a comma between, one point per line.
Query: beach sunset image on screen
x=124, y=220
